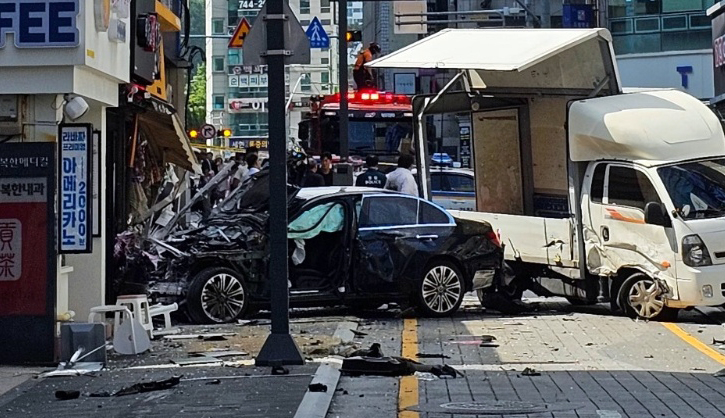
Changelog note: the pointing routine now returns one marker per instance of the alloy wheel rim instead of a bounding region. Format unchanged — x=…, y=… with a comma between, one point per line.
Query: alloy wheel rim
x=441, y=289
x=645, y=298
x=222, y=297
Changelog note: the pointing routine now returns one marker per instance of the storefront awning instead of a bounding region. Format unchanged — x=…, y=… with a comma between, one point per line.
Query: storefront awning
x=167, y=133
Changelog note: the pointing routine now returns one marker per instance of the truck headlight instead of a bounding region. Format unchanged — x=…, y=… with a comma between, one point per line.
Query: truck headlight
x=694, y=252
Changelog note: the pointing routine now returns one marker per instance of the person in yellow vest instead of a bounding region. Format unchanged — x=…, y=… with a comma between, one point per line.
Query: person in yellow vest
x=362, y=75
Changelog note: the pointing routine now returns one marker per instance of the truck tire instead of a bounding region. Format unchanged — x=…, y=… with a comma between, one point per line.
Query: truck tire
x=217, y=295
x=639, y=297
x=440, y=290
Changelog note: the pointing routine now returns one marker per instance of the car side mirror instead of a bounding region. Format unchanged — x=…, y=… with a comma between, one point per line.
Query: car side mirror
x=654, y=214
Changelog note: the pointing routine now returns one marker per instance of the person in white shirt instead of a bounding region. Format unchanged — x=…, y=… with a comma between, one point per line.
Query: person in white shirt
x=401, y=179
x=253, y=165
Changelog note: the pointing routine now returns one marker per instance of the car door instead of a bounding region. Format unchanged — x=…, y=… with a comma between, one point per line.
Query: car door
x=622, y=236
x=396, y=234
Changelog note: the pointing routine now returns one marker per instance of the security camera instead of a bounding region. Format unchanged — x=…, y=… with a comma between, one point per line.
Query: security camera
x=76, y=107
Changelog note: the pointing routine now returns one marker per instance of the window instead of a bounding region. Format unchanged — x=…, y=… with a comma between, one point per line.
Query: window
x=325, y=22
x=325, y=6
x=436, y=182
x=304, y=7
x=305, y=22
x=306, y=82
x=388, y=211
x=218, y=63
x=430, y=214
x=324, y=61
x=326, y=217
x=217, y=27
x=324, y=77
x=218, y=102
x=459, y=183
x=629, y=187
x=597, y=190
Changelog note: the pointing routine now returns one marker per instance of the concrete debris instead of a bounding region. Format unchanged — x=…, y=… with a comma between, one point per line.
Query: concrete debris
x=205, y=337
x=373, y=351
x=530, y=372
x=317, y=387
x=201, y=359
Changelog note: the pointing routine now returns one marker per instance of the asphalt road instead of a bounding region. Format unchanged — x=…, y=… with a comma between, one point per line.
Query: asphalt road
x=591, y=362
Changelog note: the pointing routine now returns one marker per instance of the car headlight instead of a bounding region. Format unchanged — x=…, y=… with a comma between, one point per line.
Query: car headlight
x=694, y=252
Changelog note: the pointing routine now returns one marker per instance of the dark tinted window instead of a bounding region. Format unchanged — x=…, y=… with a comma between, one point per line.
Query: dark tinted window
x=388, y=211
x=460, y=183
x=629, y=187
x=436, y=181
x=430, y=214
x=597, y=192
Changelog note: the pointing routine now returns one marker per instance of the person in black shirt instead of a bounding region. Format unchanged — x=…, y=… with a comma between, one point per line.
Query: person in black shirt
x=372, y=177
x=326, y=170
x=312, y=178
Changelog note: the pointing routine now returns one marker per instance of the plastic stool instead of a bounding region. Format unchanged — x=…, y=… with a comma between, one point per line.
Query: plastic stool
x=139, y=307
x=165, y=310
x=139, y=343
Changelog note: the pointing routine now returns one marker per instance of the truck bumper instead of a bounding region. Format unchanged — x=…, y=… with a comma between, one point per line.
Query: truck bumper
x=703, y=286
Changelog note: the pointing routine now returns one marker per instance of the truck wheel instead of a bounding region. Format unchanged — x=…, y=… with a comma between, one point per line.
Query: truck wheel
x=217, y=295
x=640, y=297
x=441, y=290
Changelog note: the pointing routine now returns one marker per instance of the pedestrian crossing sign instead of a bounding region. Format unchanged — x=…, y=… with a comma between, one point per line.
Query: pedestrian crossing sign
x=240, y=33
x=317, y=35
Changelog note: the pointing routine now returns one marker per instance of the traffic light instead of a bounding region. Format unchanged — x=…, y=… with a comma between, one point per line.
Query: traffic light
x=226, y=133
x=353, y=36
x=193, y=134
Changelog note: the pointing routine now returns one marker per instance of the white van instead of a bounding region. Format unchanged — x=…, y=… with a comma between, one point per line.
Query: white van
x=599, y=195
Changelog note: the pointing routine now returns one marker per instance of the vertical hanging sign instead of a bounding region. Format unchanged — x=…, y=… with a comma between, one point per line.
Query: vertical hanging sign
x=74, y=189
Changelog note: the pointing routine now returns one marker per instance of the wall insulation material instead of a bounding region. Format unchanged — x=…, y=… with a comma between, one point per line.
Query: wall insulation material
x=548, y=144
x=498, y=162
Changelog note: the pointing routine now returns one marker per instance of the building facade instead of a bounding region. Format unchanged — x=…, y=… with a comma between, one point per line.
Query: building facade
x=237, y=93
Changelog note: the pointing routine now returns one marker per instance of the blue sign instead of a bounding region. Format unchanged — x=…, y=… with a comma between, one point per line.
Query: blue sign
x=577, y=16
x=317, y=35
x=40, y=23
x=74, y=194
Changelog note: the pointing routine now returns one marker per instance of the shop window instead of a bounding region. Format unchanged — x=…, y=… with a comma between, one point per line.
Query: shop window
x=218, y=64
x=218, y=102
x=217, y=27
x=306, y=82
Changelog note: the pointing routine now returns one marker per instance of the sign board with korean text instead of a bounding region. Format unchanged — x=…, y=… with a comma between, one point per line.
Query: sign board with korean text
x=75, y=220
x=240, y=33
x=718, y=53
x=317, y=35
x=27, y=251
x=241, y=144
x=464, y=135
x=247, y=104
x=40, y=23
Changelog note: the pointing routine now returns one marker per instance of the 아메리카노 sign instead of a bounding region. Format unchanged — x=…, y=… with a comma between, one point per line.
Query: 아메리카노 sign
x=40, y=23
x=74, y=189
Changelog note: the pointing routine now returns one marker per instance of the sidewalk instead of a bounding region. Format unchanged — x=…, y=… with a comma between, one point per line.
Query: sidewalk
x=227, y=386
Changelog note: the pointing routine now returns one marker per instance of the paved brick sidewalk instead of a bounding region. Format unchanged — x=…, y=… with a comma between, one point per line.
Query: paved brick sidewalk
x=239, y=392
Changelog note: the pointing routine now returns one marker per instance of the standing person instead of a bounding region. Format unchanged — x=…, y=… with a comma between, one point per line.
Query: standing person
x=362, y=75
x=252, y=166
x=326, y=170
x=241, y=171
x=402, y=179
x=312, y=177
x=372, y=177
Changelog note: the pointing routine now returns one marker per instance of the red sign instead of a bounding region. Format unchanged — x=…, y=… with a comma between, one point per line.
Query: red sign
x=23, y=245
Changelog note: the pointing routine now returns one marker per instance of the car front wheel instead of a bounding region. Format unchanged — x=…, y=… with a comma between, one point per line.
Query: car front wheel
x=441, y=290
x=217, y=295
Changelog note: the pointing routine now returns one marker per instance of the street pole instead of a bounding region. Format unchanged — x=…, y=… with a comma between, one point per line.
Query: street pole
x=279, y=348
x=342, y=51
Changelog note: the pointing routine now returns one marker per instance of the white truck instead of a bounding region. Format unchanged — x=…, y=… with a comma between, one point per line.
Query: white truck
x=599, y=194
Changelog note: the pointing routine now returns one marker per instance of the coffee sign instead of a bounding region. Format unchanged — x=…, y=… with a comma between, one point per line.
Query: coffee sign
x=40, y=23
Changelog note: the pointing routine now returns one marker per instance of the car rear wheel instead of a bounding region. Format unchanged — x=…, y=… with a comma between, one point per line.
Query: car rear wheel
x=641, y=297
x=217, y=295
x=441, y=290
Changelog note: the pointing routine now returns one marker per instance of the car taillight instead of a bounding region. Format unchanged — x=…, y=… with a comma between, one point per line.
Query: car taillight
x=494, y=238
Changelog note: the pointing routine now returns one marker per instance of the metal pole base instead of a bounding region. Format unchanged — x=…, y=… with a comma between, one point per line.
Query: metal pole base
x=279, y=350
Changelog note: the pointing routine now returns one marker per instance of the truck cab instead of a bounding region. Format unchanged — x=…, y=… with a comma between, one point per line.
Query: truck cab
x=600, y=195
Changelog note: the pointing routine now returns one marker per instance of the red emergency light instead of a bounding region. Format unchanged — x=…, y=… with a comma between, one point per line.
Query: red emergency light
x=371, y=97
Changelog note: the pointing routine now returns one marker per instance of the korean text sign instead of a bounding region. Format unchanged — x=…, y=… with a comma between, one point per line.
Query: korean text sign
x=74, y=189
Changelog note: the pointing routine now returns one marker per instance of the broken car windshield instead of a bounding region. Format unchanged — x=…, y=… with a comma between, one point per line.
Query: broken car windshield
x=697, y=189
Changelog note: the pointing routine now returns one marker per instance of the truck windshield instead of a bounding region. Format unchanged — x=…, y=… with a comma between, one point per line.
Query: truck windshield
x=697, y=189
x=379, y=136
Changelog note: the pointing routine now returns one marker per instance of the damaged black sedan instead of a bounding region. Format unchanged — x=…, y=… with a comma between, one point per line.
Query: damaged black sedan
x=354, y=246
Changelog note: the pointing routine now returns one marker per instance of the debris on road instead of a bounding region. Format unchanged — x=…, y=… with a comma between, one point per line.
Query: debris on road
x=149, y=386
x=432, y=355
x=213, y=382
x=66, y=395
x=720, y=373
x=373, y=351
x=317, y=387
x=716, y=341
x=219, y=353
x=530, y=372
x=279, y=370
x=358, y=333
x=205, y=337
x=199, y=359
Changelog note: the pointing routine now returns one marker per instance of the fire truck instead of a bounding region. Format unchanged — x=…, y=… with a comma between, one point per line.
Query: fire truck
x=380, y=123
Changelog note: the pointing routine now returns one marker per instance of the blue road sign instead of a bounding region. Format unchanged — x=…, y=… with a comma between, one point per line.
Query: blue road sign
x=317, y=35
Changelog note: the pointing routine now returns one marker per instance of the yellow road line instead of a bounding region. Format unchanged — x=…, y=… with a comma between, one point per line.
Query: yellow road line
x=408, y=390
x=704, y=348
